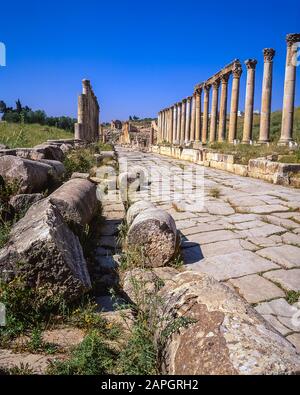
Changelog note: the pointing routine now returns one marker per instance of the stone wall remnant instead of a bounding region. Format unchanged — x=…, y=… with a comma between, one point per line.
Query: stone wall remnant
x=87, y=126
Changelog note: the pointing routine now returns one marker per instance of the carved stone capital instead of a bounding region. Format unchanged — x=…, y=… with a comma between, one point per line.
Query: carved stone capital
x=292, y=39
x=184, y=100
x=216, y=84
x=198, y=91
x=206, y=88
x=189, y=99
x=237, y=70
x=225, y=78
x=269, y=54
x=251, y=64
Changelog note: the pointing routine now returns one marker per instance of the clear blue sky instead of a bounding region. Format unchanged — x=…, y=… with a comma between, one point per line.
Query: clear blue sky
x=141, y=56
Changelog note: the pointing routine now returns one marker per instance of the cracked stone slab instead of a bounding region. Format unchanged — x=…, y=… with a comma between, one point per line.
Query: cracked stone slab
x=255, y=288
x=287, y=256
x=295, y=340
x=262, y=231
x=276, y=324
x=212, y=237
x=278, y=307
x=288, y=279
x=233, y=265
x=267, y=209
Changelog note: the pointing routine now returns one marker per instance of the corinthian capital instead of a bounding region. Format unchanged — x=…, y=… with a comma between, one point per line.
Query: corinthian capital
x=292, y=39
x=225, y=78
x=251, y=63
x=216, y=83
x=237, y=70
x=206, y=87
x=269, y=54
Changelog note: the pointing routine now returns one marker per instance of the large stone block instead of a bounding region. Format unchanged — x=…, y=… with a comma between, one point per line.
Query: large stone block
x=51, y=151
x=45, y=253
x=30, y=175
x=76, y=200
x=154, y=230
x=219, y=332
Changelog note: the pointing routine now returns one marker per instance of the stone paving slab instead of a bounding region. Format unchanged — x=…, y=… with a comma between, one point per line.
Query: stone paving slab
x=211, y=237
x=238, y=264
x=287, y=256
x=295, y=340
x=256, y=289
x=288, y=279
x=278, y=307
x=262, y=231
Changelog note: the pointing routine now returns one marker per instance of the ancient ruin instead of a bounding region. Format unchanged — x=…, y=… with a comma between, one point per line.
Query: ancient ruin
x=187, y=123
x=87, y=126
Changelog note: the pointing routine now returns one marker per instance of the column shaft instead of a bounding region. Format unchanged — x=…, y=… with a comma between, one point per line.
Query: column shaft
x=214, y=112
x=193, y=118
x=249, y=104
x=183, y=116
x=178, y=122
x=188, y=120
x=223, y=107
x=265, y=115
x=198, y=115
x=289, y=89
x=174, y=124
x=205, y=113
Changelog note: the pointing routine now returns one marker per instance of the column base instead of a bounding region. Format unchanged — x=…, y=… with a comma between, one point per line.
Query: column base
x=286, y=142
x=261, y=142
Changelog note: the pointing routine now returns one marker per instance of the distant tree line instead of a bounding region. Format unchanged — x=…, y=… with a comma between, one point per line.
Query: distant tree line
x=21, y=114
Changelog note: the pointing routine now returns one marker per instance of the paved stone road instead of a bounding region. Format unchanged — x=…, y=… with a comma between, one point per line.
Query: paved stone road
x=246, y=233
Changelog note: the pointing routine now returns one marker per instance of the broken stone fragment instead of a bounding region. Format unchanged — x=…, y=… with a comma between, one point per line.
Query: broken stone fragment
x=76, y=200
x=155, y=231
x=46, y=253
x=22, y=202
x=52, y=152
x=218, y=332
x=31, y=176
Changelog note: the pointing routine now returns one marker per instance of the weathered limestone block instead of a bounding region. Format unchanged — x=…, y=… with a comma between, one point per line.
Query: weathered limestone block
x=132, y=181
x=155, y=230
x=51, y=151
x=275, y=172
x=2, y=146
x=24, y=201
x=32, y=176
x=66, y=148
x=137, y=208
x=44, y=251
x=140, y=284
x=76, y=200
x=190, y=155
x=4, y=152
x=31, y=153
x=58, y=169
x=220, y=333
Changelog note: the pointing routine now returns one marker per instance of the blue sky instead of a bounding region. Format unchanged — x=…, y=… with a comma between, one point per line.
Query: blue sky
x=141, y=56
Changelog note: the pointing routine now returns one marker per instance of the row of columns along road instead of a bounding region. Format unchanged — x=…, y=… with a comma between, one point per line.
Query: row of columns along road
x=186, y=122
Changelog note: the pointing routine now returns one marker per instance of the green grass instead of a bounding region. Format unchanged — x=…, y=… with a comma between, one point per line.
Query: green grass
x=16, y=135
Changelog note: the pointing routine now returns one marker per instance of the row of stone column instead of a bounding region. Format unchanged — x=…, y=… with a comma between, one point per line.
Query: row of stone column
x=185, y=121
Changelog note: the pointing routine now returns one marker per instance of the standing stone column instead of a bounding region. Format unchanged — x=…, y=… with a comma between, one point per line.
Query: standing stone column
x=289, y=89
x=223, y=107
x=179, y=105
x=193, y=118
x=205, y=113
x=183, y=116
x=214, y=112
x=236, y=72
x=159, y=127
x=164, y=125
x=188, y=120
x=170, y=136
x=265, y=116
x=174, y=124
x=198, y=114
x=249, y=105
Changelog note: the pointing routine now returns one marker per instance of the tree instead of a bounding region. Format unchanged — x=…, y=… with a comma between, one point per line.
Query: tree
x=3, y=107
x=18, y=106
